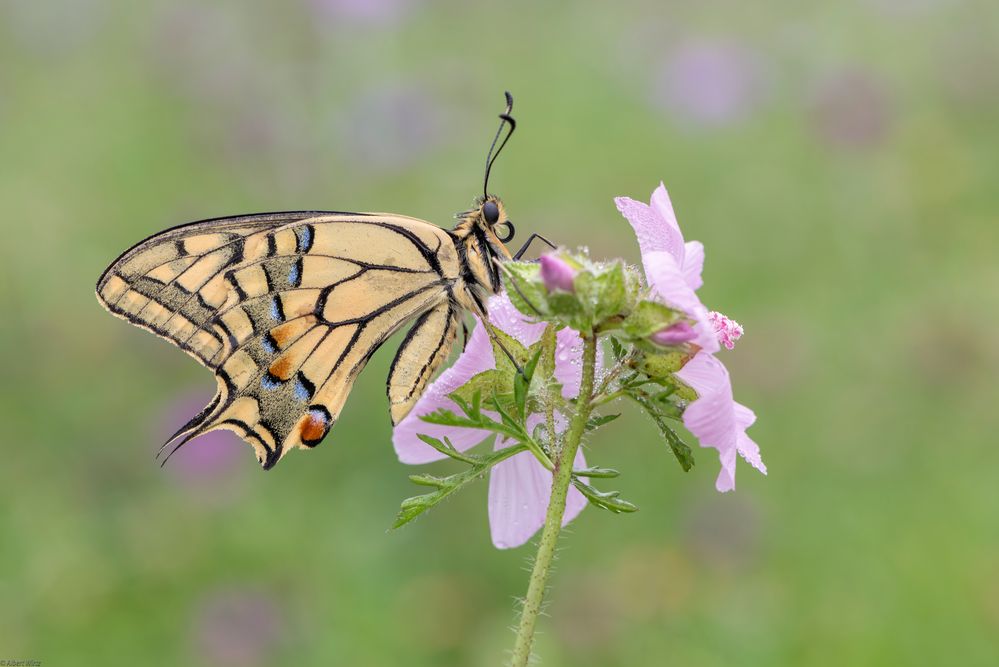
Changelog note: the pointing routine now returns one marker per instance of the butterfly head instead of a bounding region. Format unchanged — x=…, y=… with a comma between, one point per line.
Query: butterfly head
x=492, y=219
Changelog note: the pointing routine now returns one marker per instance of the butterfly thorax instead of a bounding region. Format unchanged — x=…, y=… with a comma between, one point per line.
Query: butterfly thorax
x=480, y=248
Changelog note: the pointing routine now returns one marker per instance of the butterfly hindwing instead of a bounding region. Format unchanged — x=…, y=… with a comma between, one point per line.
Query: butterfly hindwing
x=425, y=347
x=287, y=309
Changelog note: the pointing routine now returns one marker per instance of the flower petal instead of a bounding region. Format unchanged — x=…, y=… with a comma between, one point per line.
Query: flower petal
x=477, y=357
x=504, y=316
x=663, y=207
x=716, y=419
x=519, y=491
x=747, y=448
x=655, y=233
x=667, y=280
x=693, y=264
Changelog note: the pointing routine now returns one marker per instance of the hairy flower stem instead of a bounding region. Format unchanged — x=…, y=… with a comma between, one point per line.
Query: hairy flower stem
x=561, y=479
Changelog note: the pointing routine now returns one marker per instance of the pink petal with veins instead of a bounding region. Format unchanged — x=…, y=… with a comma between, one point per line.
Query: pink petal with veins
x=519, y=491
x=716, y=419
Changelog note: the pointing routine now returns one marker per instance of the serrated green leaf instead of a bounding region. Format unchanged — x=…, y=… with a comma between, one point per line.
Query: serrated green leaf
x=445, y=447
x=617, y=349
x=684, y=455
x=446, y=486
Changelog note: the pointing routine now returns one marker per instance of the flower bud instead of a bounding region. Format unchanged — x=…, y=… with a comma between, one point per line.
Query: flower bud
x=557, y=274
x=674, y=334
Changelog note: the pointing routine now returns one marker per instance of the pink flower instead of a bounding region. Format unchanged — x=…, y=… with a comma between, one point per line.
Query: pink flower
x=519, y=487
x=673, y=270
x=672, y=267
x=557, y=274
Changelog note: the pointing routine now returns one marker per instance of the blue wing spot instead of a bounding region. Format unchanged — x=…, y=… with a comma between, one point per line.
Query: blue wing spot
x=276, y=311
x=301, y=393
x=269, y=382
x=304, y=234
x=268, y=345
x=295, y=275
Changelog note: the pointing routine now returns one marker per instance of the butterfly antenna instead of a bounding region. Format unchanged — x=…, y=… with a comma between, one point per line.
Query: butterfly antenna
x=505, y=118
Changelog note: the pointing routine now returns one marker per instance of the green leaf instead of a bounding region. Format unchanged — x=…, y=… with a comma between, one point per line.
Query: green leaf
x=596, y=473
x=522, y=384
x=486, y=383
x=684, y=455
x=618, y=349
x=446, y=486
x=444, y=417
x=607, y=500
x=527, y=291
x=511, y=345
x=598, y=421
x=445, y=447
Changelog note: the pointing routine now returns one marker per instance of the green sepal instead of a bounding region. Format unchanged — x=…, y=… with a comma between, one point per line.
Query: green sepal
x=647, y=318
x=663, y=364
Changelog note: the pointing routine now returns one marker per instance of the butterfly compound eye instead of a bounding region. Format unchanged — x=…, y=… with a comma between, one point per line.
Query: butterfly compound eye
x=490, y=211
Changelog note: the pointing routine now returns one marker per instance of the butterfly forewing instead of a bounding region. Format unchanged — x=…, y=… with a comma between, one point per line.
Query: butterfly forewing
x=287, y=309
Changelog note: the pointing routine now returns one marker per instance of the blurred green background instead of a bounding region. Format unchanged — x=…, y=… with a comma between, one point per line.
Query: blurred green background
x=838, y=161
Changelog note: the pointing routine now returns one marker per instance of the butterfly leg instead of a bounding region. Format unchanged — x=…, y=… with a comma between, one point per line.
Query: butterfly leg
x=516, y=288
x=496, y=339
x=480, y=311
x=527, y=244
